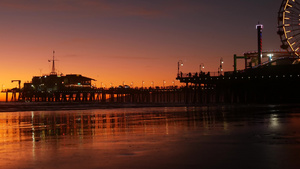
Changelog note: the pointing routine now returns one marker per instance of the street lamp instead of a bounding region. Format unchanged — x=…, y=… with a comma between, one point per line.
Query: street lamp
x=201, y=66
x=180, y=63
x=164, y=82
x=270, y=57
x=152, y=84
x=221, y=66
x=143, y=84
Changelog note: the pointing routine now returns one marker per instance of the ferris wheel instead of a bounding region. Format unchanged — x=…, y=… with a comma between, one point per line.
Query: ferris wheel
x=289, y=25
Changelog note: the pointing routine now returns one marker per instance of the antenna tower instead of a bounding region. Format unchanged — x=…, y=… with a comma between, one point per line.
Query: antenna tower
x=53, y=72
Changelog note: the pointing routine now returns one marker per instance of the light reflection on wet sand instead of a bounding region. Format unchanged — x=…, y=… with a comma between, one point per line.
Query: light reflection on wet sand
x=208, y=137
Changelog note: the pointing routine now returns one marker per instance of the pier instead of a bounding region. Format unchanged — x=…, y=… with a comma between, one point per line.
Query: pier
x=275, y=81
x=104, y=95
x=271, y=85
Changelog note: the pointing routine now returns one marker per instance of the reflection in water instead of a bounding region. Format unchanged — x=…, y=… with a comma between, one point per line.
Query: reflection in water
x=39, y=126
x=39, y=138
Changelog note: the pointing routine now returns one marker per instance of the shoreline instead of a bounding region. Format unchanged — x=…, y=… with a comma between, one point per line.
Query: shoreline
x=57, y=106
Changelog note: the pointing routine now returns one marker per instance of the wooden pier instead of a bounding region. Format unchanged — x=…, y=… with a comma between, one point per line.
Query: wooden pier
x=262, y=85
x=199, y=89
x=111, y=95
x=265, y=83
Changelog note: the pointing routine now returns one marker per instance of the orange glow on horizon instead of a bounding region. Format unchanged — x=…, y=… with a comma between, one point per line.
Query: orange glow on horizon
x=116, y=43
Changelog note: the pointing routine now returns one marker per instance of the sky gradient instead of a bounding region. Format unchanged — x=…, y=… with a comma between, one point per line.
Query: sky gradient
x=116, y=41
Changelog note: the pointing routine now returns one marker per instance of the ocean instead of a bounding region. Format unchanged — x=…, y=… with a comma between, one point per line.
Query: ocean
x=232, y=136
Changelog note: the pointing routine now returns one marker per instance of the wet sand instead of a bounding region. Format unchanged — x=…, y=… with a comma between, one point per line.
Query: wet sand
x=57, y=106
x=157, y=137
x=47, y=106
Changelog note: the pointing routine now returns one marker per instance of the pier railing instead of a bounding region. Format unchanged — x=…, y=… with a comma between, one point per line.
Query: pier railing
x=202, y=74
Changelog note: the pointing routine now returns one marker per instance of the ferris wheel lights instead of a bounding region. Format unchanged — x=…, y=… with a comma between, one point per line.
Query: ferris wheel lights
x=289, y=24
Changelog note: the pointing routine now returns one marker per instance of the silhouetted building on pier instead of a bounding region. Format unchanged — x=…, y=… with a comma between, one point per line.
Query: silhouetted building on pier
x=53, y=83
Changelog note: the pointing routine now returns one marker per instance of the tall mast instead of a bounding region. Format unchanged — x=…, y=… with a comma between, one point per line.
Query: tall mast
x=53, y=65
x=259, y=28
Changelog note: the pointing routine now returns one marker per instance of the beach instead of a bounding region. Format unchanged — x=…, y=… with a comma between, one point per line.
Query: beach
x=265, y=136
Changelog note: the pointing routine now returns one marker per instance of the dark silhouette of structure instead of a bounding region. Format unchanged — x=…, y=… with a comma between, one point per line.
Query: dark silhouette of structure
x=275, y=82
x=259, y=28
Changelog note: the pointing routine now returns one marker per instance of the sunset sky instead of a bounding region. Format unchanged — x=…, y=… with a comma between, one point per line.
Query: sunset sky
x=129, y=40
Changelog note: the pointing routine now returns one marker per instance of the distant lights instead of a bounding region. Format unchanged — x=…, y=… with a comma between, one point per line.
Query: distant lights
x=270, y=56
x=259, y=26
